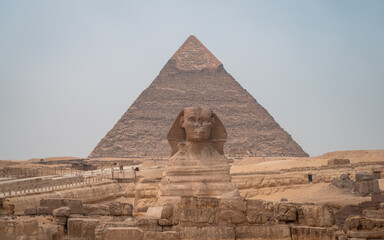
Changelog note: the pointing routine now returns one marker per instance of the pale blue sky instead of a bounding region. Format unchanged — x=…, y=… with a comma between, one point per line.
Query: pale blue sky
x=70, y=69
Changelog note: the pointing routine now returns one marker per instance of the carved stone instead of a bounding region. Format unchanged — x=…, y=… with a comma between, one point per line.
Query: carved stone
x=197, y=166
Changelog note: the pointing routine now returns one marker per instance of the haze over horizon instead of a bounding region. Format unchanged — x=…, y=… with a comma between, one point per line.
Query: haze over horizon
x=70, y=69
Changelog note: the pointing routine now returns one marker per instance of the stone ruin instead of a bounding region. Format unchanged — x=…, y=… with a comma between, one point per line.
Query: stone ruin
x=196, y=199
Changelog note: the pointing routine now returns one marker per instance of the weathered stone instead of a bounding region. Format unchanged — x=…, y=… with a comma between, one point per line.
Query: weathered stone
x=49, y=232
x=286, y=212
x=30, y=211
x=343, y=182
x=61, y=220
x=374, y=234
x=193, y=215
x=231, y=211
x=312, y=233
x=316, y=215
x=15, y=229
x=373, y=214
x=198, y=166
x=121, y=233
x=44, y=211
x=364, y=176
x=115, y=209
x=82, y=228
x=278, y=231
x=169, y=235
x=365, y=188
x=92, y=209
x=7, y=207
x=75, y=205
x=120, y=209
x=154, y=212
x=164, y=222
x=214, y=232
x=259, y=211
x=199, y=202
x=338, y=161
x=167, y=212
x=147, y=224
x=62, y=212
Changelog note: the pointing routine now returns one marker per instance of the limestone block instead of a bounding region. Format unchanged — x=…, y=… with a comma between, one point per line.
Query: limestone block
x=364, y=176
x=378, y=197
x=102, y=228
x=316, y=215
x=123, y=233
x=82, y=228
x=6, y=207
x=147, y=224
x=50, y=231
x=312, y=233
x=199, y=202
x=193, y=215
x=365, y=188
x=164, y=222
x=18, y=229
x=115, y=209
x=30, y=211
x=61, y=220
x=127, y=209
x=224, y=216
x=92, y=209
x=49, y=204
x=44, y=211
x=278, y=231
x=374, y=234
x=75, y=205
x=338, y=161
x=169, y=235
x=61, y=212
x=343, y=182
x=231, y=211
x=373, y=214
x=154, y=212
x=167, y=212
x=202, y=233
x=286, y=212
x=259, y=211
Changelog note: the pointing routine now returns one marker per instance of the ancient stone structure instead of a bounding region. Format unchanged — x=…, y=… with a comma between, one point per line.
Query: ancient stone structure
x=198, y=166
x=195, y=77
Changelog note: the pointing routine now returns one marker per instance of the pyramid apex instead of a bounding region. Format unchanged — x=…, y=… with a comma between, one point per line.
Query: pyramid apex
x=193, y=55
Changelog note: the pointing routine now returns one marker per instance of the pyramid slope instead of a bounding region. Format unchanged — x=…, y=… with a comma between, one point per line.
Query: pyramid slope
x=194, y=77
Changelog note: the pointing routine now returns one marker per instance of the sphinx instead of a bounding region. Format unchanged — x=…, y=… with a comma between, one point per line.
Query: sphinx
x=197, y=166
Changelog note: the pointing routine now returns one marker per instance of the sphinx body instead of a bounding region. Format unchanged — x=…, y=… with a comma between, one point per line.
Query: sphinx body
x=197, y=166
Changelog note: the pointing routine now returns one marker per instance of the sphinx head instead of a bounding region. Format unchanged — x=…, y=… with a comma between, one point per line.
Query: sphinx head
x=197, y=124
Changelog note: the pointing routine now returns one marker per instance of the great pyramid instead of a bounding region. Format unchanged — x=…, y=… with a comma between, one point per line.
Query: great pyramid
x=195, y=77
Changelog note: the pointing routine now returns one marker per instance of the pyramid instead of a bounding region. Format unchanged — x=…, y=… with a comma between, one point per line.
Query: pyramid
x=195, y=77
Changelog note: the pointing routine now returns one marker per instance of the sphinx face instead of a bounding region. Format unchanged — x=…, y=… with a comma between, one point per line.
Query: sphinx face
x=197, y=123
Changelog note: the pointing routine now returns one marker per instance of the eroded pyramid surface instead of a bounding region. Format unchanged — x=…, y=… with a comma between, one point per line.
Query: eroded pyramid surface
x=195, y=77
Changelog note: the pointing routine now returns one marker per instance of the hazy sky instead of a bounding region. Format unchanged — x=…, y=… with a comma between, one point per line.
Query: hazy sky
x=70, y=69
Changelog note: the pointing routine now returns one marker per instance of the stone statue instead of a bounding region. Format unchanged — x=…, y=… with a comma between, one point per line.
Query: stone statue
x=197, y=127
x=197, y=166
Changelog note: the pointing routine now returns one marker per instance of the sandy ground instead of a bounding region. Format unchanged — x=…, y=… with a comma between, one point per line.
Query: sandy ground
x=320, y=193
x=259, y=164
